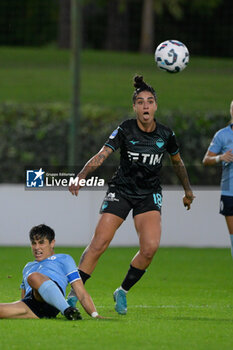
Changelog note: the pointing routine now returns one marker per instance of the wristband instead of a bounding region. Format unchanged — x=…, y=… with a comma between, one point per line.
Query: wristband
x=94, y=314
x=217, y=159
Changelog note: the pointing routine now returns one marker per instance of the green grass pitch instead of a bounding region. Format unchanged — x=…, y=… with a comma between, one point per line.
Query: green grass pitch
x=32, y=75
x=184, y=301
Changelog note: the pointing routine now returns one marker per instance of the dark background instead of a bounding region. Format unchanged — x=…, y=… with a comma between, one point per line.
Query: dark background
x=117, y=24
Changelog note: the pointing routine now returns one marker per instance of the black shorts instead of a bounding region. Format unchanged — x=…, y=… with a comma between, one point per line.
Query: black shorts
x=40, y=309
x=226, y=205
x=114, y=203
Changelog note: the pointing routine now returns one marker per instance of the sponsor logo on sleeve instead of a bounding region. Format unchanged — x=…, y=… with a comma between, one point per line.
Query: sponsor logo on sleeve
x=114, y=133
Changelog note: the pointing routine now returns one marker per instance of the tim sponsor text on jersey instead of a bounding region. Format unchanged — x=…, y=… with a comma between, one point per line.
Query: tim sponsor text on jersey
x=148, y=158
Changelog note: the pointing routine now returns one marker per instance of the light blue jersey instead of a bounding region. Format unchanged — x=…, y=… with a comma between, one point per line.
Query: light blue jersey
x=60, y=268
x=222, y=142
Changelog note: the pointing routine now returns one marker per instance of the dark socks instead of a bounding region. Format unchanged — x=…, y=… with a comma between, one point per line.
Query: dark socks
x=132, y=277
x=84, y=276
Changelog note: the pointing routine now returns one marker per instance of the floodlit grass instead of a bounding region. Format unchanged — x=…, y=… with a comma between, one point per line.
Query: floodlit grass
x=43, y=75
x=184, y=301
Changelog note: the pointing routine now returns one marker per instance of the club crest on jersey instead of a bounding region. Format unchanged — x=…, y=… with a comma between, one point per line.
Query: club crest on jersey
x=52, y=257
x=159, y=143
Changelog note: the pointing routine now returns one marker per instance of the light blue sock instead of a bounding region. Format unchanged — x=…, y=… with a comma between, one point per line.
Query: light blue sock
x=50, y=292
x=231, y=237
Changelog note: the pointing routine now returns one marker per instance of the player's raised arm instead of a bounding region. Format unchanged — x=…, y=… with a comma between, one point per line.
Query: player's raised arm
x=94, y=163
x=182, y=175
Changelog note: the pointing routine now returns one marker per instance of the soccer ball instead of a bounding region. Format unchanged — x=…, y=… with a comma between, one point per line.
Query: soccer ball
x=172, y=56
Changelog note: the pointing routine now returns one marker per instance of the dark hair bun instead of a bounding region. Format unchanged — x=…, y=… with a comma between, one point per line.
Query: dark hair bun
x=140, y=86
x=138, y=81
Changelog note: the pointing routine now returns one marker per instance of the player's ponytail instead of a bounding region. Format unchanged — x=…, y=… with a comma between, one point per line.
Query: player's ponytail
x=140, y=85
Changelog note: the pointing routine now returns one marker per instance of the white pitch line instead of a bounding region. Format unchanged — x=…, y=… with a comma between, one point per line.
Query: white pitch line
x=173, y=306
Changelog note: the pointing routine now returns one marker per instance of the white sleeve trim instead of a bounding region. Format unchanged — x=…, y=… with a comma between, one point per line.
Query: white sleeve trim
x=76, y=279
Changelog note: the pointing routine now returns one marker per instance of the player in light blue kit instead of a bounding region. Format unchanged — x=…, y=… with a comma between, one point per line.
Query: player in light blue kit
x=45, y=280
x=220, y=150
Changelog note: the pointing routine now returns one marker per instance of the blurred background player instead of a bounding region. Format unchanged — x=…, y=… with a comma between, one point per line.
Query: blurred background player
x=136, y=185
x=220, y=150
x=45, y=280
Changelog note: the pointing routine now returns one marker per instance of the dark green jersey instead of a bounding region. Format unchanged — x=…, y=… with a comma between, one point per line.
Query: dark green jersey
x=141, y=157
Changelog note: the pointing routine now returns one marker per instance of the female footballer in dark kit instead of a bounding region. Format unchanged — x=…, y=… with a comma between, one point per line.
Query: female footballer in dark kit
x=135, y=185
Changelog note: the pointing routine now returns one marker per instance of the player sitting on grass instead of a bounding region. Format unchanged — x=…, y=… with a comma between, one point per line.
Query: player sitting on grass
x=45, y=280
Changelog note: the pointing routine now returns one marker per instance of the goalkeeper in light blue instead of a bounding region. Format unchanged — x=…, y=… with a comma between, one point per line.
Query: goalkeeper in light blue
x=45, y=280
x=221, y=150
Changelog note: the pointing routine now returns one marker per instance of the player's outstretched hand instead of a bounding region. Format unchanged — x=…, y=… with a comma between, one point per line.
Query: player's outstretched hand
x=100, y=317
x=75, y=187
x=188, y=199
